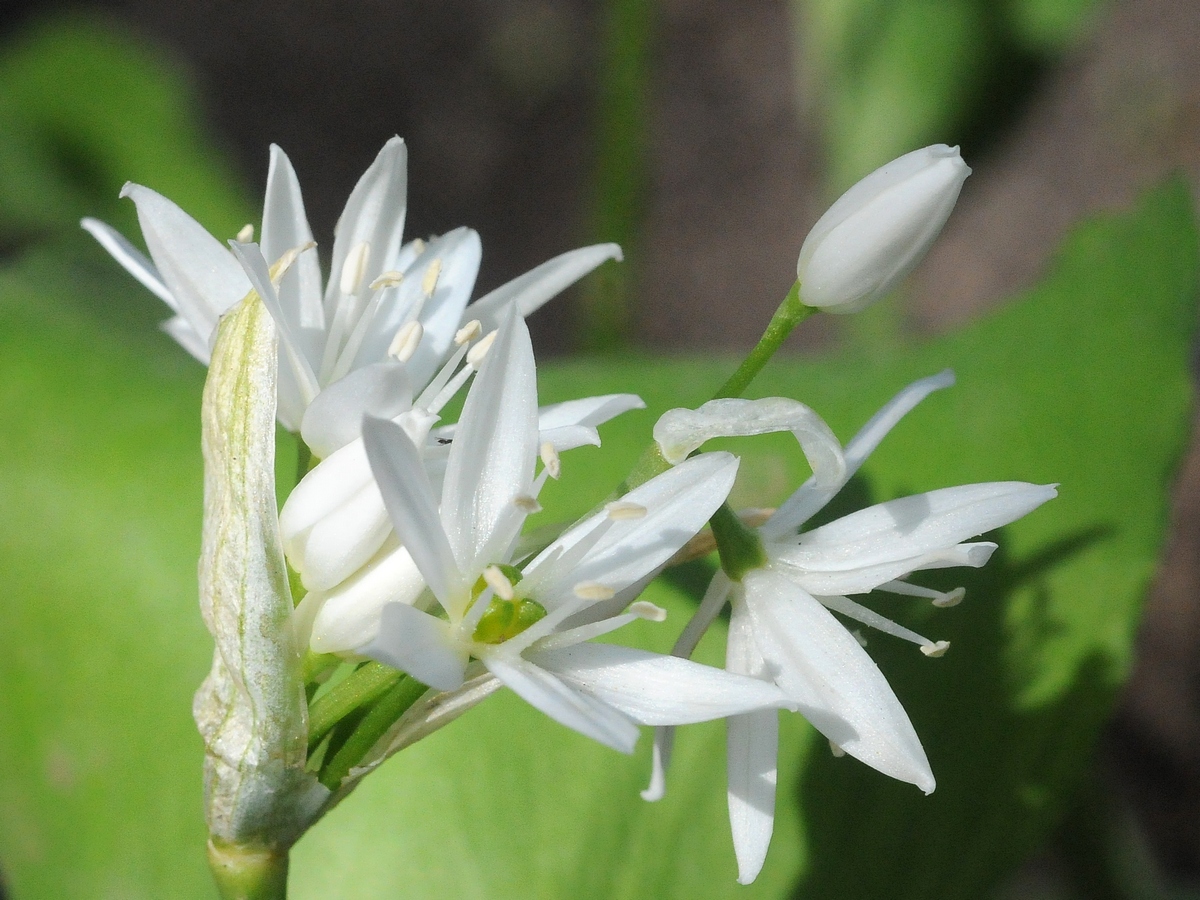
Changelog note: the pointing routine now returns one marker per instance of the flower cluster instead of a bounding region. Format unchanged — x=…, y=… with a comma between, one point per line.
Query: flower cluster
x=419, y=587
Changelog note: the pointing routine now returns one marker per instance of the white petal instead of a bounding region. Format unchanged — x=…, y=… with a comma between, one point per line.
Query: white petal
x=374, y=215
x=334, y=418
x=201, y=275
x=349, y=614
x=495, y=446
x=530, y=291
x=660, y=761
x=811, y=498
x=654, y=689
x=186, y=336
x=884, y=536
x=285, y=227
x=678, y=503
x=752, y=745
x=838, y=687
x=132, y=259
x=573, y=423
x=419, y=644
x=567, y=706
x=408, y=495
x=340, y=542
x=680, y=431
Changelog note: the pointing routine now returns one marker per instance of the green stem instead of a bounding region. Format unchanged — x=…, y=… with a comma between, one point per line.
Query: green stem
x=365, y=685
x=373, y=726
x=738, y=545
x=791, y=312
x=248, y=872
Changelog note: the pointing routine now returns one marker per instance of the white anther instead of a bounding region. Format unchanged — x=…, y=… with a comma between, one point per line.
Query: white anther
x=468, y=332
x=418, y=246
x=837, y=751
x=388, y=279
x=860, y=637
x=498, y=582
x=593, y=590
x=624, y=511
x=953, y=598
x=476, y=354
x=550, y=459
x=404, y=344
x=355, y=267
x=246, y=234
x=935, y=650
x=644, y=609
x=285, y=262
x=527, y=504
x=432, y=274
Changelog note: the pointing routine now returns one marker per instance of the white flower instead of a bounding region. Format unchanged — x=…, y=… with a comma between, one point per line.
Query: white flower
x=360, y=320
x=531, y=627
x=876, y=232
x=782, y=628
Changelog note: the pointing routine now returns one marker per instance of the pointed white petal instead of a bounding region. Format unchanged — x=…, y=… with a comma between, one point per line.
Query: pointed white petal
x=654, y=689
x=811, y=498
x=495, y=447
x=374, y=215
x=680, y=431
x=349, y=614
x=132, y=259
x=185, y=335
x=419, y=644
x=678, y=503
x=879, y=542
x=285, y=227
x=837, y=686
x=752, y=745
x=530, y=291
x=396, y=465
x=660, y=761
x=573, y=424
x=334, y=418
x=569, y=707
x=201, y=275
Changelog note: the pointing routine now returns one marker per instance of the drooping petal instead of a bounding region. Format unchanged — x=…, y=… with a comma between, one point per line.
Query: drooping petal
x=349, y=613
x=285, y=227
x=495, y=446
x=419, y=644
x=810, y=498
x=837, y=686
x=408, y=496
x=567, y=706
x=374, y=215
x=200, y=274
x=680, y=431
x=132, y=260
x=334, y=418
x=573, y=423
x=888, y=534
x=655, y=689
x=528, y=292
x=752, y=748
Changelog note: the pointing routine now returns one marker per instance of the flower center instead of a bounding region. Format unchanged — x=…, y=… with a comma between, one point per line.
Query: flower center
x=506, y=616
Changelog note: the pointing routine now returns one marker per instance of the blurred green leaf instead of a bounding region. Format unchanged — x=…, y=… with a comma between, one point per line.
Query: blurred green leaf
x=1084, y=382
x=1050, y=26
x=85, y=107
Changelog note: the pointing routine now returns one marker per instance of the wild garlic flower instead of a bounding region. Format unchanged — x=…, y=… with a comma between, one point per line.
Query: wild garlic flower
x=876, y=232
x=783, y=629
x=530, y=623
x=385, y=301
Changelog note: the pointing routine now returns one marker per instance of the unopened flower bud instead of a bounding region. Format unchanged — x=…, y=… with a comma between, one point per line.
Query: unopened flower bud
x=876, y=232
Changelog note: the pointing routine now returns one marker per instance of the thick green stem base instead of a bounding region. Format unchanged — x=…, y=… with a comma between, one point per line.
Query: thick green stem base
x=248, y=873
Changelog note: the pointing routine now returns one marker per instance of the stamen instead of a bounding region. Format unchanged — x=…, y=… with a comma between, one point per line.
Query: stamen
x=388, y=279
x=837, y=751
x=498, y=582
x=434, y=388
x=453, y=386
x=953, y=598
x=468, y=332
x=594, y=591
x=624, y=511
x=479, y=351
x=939, y=598
x=246, y=234
x=644, y=609
x=860, y=637
x=418, y=246
x=404, y=344
x=355, y=267
x=432, y=274
x=550, y=459
x=285, y=262
x=936, y=649
x=527, y=504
